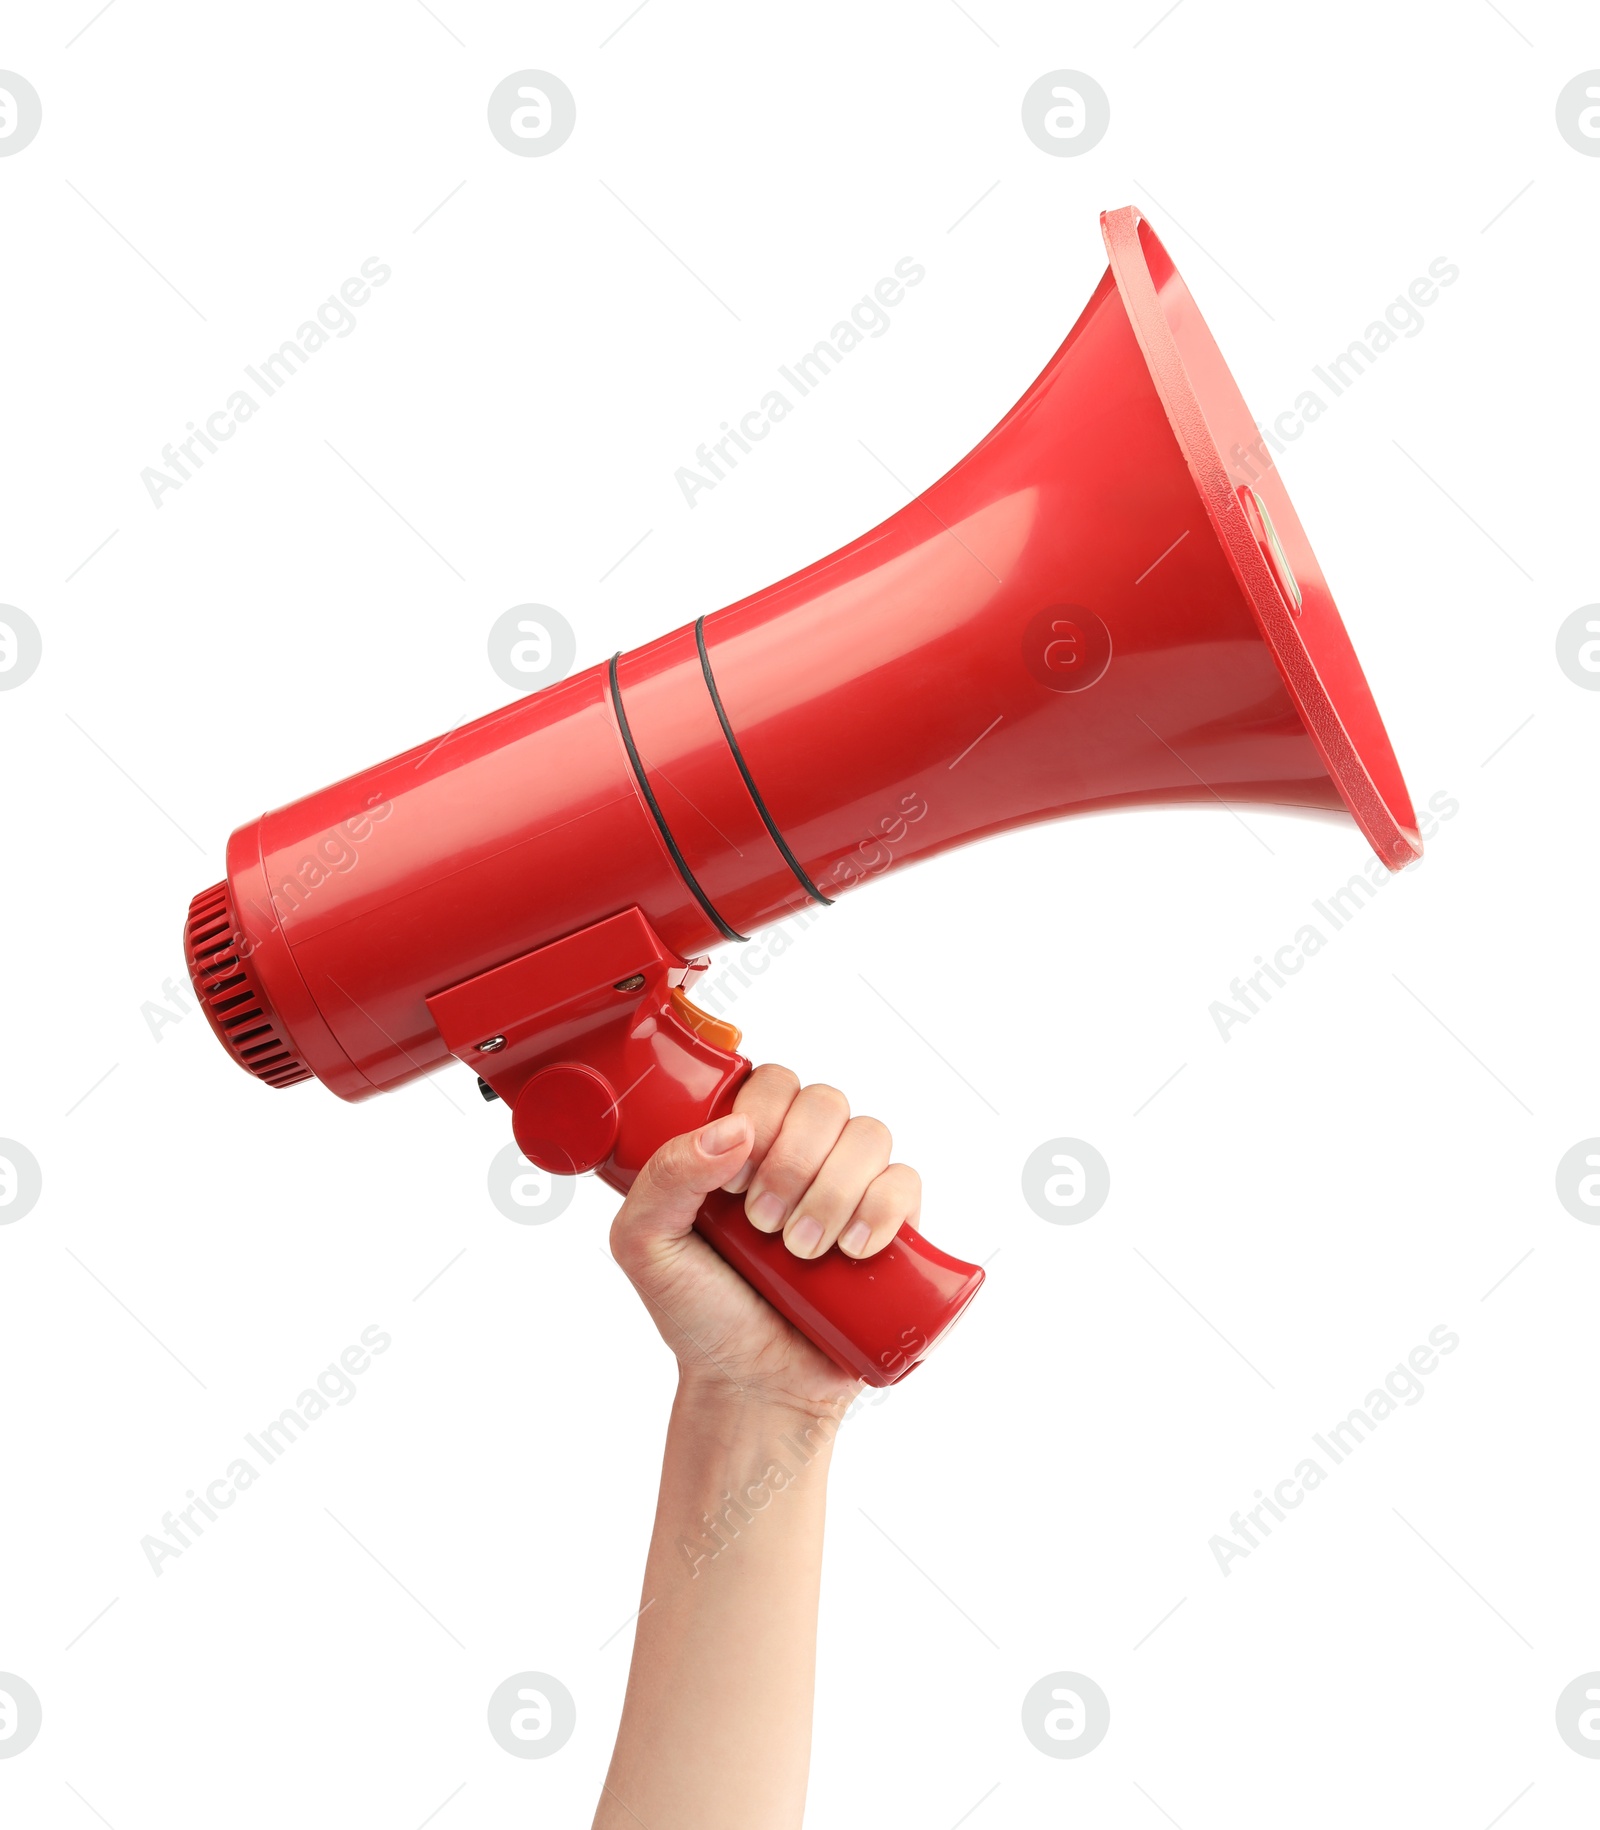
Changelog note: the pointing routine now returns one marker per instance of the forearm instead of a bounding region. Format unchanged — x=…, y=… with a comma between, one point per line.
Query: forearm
x=716, y=1727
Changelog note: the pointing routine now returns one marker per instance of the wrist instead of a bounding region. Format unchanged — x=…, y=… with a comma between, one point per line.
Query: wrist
x=743, y=1475
x=710, y=1401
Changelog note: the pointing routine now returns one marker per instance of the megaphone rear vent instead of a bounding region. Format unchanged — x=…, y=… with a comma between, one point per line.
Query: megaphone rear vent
x=231, y=995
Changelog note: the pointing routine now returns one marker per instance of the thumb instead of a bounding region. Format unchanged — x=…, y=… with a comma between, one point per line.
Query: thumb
x=669, y=1190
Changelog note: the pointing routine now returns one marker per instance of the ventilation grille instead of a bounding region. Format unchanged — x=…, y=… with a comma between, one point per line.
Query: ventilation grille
x=231, y=994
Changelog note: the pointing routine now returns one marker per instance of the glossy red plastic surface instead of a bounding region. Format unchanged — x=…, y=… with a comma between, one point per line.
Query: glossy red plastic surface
x=1084, y=613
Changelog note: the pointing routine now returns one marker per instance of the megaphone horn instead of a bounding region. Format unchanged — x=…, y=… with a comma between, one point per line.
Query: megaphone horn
x=1086, y=612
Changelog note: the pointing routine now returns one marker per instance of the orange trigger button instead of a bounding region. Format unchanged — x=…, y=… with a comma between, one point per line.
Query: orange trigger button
x=709, y=1028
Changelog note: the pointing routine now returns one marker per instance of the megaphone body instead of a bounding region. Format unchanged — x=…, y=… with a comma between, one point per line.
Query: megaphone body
x=1086, y=613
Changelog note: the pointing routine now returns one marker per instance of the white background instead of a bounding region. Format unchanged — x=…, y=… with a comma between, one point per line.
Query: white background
x=1358, y=1164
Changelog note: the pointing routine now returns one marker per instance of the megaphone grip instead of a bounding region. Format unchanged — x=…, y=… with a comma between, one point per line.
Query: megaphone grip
x=875, y=1317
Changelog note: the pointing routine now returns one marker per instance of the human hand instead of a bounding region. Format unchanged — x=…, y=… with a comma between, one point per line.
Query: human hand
x=804, y=1165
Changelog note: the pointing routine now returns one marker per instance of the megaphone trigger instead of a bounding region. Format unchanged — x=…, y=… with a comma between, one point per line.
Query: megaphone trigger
x=711, y=1029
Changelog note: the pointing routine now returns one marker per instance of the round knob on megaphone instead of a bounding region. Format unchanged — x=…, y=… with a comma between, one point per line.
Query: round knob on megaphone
x=565, y=1119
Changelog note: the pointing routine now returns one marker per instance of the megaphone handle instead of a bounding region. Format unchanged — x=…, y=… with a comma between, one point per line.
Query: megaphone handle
x=875, y=1317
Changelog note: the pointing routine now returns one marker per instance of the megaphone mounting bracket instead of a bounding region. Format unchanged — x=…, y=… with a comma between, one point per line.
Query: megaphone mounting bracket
x=569, y=1033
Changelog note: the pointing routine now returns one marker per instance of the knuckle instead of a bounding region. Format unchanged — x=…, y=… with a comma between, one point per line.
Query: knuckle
x=873, y=1131
x=785, y=1168
x=772, y=1078
x=895, y=1196
x=657, y=1172
x=665, y=1170
x=830, y=1202
x=765, y=1099
x=828, y=1100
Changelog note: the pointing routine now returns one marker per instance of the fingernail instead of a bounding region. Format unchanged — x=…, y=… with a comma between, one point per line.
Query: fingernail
x=804, y=1236
x=720, y=1138
x=766, y=1212
x=854, y=1238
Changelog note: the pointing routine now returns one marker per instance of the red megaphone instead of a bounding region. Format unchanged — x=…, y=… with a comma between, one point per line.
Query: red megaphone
x=1087, y=612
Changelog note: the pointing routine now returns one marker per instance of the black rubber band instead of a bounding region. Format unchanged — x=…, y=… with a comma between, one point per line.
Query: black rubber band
x=749, y=780
x=660, y=818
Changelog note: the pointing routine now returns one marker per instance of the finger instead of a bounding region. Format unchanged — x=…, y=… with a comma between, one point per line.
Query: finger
x=764, y=1099
x=861, y=1153
x=809, y=1131
x=894, y=1198
x=668, y=1192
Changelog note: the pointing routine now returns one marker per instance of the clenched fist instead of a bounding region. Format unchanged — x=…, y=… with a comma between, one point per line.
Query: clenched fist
x=804, y=1166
